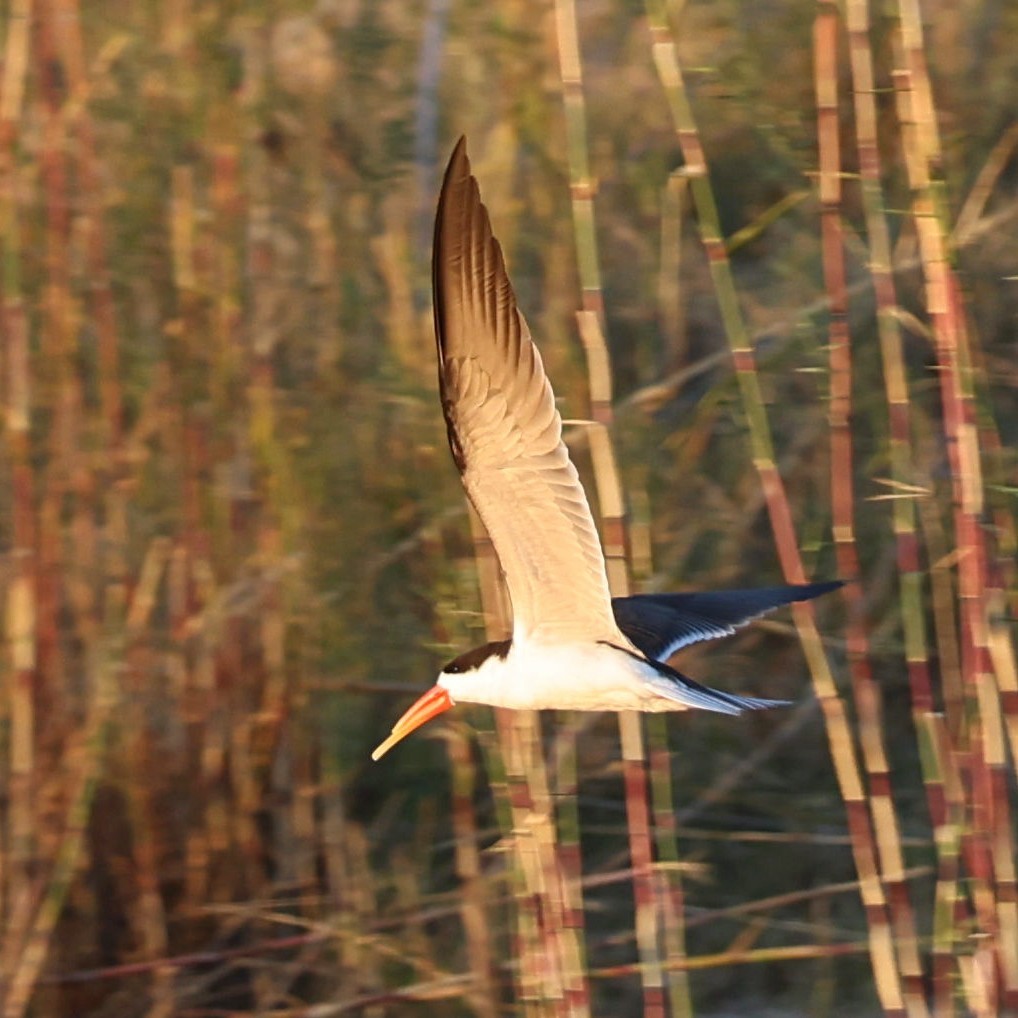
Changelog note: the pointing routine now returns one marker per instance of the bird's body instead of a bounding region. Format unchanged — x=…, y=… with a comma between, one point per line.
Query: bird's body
x=579, y=675
x=572, y=647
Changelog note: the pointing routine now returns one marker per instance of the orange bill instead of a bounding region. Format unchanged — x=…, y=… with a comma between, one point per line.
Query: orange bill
x=430, y=705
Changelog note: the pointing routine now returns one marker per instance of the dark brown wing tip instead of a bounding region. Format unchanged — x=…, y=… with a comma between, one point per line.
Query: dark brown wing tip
x=457, y=175
x=461, y=222
x=459, y=154
x=464, y=245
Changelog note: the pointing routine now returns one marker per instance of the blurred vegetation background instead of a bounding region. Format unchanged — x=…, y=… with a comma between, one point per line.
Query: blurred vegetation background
x=235, y=545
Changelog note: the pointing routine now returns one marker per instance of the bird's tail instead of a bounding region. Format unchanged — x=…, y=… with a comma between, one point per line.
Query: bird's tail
x=682, y=689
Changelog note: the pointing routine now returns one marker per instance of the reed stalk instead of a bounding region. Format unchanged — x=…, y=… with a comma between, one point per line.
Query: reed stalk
x=668, y=874
x=85, y=763
x=476, y=922
x=944, y=809
x=672, y=312
x=206, y=319
x=874, y=895
x=17, y=712
x=549, y=937
x=986, y=845
x=31, y=617
x=548, y=946
x=124, y=624
x=650, y=911
x=865, y=690
x=66, y=16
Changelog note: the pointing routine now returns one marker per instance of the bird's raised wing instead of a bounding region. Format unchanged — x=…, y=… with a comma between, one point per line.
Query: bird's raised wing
x=505, y=431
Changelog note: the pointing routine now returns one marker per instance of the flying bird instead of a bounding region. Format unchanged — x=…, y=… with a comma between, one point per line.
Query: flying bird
x=573, y=646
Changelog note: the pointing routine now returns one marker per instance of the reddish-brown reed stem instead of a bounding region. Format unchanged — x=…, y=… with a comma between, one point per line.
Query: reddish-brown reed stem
x=987, y=845
x=888, y=979
x=547, y=944
x=865, y=690
x=591, y=325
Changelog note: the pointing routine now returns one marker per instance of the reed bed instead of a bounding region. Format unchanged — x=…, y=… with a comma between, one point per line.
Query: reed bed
x=778, y=312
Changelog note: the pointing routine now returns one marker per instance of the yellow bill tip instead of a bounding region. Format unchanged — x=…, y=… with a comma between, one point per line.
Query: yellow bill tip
x=432, y=703
x=384, y=747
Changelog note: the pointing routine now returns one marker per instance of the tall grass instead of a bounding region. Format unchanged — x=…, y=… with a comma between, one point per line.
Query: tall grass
x=769, y=281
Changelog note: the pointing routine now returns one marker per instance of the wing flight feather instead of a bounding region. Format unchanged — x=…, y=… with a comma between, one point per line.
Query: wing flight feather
x=659, y=624
x=505, y=431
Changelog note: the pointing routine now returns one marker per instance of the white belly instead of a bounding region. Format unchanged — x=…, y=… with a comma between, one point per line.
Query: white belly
x=537, y=676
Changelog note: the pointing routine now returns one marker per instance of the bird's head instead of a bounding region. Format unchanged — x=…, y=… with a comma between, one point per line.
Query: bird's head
x=458, y=680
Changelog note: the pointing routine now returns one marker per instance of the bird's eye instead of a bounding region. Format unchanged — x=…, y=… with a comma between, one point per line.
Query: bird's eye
x=474, y=659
